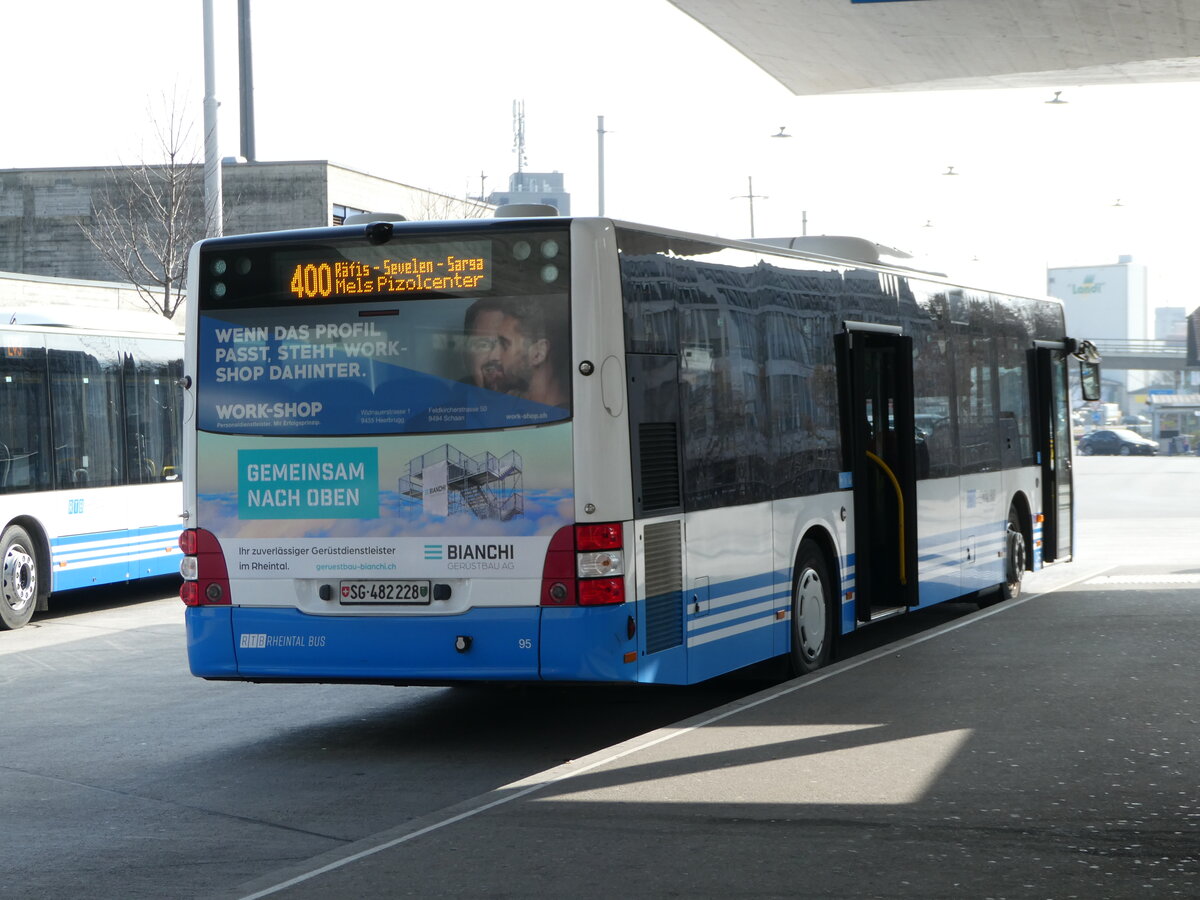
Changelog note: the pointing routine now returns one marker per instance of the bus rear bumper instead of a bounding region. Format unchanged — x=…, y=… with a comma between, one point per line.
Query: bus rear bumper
x=209, y=641
x=500, y=644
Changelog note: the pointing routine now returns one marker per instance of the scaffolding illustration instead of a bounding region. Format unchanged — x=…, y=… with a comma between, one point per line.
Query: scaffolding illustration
x=448, y=482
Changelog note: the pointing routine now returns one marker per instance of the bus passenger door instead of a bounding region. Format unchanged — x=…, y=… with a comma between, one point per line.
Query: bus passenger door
x=875, y=384
x=1053, y=417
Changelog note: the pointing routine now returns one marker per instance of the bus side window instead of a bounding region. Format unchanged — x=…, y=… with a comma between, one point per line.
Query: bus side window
x=25, y=421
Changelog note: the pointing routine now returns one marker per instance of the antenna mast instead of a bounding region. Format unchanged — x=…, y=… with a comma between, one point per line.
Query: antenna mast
x=519, y=133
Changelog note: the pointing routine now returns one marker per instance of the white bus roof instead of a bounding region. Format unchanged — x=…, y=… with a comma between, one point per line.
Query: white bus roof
x=93, y=319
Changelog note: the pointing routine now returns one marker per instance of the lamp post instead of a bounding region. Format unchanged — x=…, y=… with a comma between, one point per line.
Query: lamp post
x=782, y=133
x=600, y=132
x=213, y=203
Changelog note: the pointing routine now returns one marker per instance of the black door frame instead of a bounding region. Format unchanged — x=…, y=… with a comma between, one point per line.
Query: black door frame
x=1052, y=415
x=875, y=382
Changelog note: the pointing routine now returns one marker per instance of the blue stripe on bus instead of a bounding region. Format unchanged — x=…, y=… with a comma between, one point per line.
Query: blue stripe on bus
x=84, y=560
x=131, y=540
x=164, y=531
x=129, y=551
x=114, y=572
x=701, y=626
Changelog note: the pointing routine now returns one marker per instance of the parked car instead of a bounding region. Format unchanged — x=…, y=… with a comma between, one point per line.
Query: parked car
x=926, y=422
x=1116, y=442
x=1140, y=424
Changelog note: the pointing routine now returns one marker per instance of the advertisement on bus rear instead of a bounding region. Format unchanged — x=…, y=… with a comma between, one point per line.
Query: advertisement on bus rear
x=395, y=411
x=424, y=366
x=471, y=504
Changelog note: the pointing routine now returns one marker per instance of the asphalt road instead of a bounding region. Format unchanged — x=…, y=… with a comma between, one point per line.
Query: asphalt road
x=123, y=776
x=122, y=772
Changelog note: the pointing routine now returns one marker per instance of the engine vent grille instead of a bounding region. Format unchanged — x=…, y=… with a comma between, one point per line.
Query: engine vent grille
x=658, y=455
x=664, y=586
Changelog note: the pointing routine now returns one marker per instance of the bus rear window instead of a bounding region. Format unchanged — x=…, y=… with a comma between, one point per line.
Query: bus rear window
x=418, y=336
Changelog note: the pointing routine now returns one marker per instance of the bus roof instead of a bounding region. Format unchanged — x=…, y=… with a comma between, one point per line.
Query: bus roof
x=93, y=319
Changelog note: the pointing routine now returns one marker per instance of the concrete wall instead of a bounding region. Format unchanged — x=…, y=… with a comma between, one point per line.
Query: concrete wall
x=272, y=196
x=40, y=209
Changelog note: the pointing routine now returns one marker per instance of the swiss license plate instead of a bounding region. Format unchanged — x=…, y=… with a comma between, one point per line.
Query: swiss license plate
x=385, y=591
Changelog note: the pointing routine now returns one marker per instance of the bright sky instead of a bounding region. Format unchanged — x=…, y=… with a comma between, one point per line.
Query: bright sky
x=423, y=93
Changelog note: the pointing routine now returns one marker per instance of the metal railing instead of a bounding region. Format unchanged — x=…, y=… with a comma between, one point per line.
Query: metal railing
x=1170, y=349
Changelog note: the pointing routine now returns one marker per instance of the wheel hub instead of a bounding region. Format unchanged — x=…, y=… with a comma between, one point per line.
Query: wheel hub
x=810, y=623
x=1016, y=556
x=20, y=582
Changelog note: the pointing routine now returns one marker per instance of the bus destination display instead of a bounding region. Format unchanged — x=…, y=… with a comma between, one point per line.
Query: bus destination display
x=391, y=270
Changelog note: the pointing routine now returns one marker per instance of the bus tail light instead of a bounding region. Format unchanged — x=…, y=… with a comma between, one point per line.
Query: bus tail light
x=606, y=536
x=601, y=591
x=205, y=577
x=585, y=566
x=599, y=565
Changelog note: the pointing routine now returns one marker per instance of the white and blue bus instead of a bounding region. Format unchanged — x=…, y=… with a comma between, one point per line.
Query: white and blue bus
x=581, y=450
x=90, y=444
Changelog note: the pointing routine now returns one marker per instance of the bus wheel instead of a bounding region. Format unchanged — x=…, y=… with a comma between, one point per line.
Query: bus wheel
x=812, y=615
x=18, y=595
x=1014, y=564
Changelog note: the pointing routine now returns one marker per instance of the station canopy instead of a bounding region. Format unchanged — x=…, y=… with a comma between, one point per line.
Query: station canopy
x=854, y=46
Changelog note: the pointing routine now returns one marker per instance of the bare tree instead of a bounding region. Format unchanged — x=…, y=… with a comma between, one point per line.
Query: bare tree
x=431, y=206
x=147, y=216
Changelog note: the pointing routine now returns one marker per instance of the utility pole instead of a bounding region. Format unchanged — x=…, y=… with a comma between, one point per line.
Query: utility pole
x=751, y=196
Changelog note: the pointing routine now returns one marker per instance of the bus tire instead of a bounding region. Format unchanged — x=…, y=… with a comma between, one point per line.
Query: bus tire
x=812, y=611
x=1014, y=556
x=19, y=578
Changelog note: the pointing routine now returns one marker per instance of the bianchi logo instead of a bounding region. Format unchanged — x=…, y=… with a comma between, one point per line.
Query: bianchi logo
x=470, y=551
x=481, y=557
x=480, y=551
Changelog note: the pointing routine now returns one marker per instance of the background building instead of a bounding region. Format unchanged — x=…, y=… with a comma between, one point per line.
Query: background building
x=1106, y=303
x=41, y=209
x=534, y=187
x=1170, y=323
x=1103, y=302
x=1109, y=304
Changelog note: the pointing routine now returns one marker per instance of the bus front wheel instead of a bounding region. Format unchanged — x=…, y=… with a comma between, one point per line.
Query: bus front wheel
x=18, y=593
x=812, y=611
